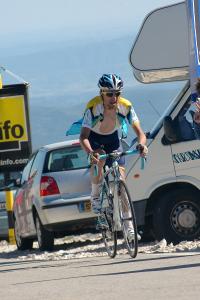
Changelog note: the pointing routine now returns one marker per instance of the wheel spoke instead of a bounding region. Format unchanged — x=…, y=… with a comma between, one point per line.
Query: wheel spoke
x=108, y=234
x=128, y=220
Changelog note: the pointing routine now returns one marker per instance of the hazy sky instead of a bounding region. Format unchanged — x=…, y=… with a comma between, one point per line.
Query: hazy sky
x=71, y=18
x=29, y=27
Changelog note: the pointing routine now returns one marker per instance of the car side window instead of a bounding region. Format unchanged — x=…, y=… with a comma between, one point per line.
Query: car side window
x=26, y=171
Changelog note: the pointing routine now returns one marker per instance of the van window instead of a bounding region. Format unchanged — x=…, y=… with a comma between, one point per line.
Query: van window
x=189, y=122
x=69, y=158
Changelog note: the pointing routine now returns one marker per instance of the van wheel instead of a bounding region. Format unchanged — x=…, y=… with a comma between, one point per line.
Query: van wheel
x=22, y=243
x=45, y=238
x=177, y=216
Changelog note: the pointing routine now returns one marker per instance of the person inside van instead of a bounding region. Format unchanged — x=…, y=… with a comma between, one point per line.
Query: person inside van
x=196, y=115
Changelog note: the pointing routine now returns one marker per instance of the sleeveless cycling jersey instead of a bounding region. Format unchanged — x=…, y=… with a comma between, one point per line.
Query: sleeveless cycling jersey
x=94, y=114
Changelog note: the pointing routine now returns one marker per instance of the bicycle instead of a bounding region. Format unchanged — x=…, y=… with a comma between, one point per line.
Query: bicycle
x=116, y=206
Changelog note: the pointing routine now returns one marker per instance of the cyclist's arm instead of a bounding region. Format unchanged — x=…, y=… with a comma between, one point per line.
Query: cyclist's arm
x=139, y=132
x=135, y=123
x=85, y=132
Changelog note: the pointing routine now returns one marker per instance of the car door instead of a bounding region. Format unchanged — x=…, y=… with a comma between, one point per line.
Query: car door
x=33, y=190
x=20, y=209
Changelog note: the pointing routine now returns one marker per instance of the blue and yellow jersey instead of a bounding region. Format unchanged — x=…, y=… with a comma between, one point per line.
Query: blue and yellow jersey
x=95, y=110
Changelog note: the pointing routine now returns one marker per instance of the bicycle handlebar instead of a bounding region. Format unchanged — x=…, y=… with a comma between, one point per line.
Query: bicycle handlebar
x=117, y=155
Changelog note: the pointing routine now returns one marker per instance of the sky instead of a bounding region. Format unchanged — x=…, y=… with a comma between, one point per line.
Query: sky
x=22, y=19
x=62, y=48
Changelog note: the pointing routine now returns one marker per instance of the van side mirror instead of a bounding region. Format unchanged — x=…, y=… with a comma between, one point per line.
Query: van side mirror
x=170, y=130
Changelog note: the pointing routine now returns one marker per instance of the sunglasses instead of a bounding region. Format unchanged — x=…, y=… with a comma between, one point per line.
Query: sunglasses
x=111, y=94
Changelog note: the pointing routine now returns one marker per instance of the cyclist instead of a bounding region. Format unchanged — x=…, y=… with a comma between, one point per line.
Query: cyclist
x=103, y=117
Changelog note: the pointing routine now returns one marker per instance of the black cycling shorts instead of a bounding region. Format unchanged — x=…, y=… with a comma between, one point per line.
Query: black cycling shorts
x=108, y=142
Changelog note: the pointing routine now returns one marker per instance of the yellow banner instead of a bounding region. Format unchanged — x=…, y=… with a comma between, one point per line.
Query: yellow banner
x=13, y=125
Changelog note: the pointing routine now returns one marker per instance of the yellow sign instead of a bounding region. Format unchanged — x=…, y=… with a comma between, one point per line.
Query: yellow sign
x=1, y=83
x=13, y=126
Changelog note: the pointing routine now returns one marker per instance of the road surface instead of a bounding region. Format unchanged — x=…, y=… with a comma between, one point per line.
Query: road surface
x=149, y=276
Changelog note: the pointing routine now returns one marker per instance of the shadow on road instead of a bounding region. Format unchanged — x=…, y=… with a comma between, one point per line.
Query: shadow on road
x=147, y=270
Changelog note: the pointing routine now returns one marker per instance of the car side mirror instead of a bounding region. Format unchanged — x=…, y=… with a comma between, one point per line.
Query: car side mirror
x=170, y=130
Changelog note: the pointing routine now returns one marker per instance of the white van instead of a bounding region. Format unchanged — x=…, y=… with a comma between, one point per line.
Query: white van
x=166, y=194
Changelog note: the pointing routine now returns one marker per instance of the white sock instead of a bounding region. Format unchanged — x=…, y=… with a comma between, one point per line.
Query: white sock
x=96, y=189
x=95, y=195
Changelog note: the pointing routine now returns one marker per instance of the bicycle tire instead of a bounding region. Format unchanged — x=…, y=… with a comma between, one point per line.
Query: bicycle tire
x=132, y=246
x=109, y=235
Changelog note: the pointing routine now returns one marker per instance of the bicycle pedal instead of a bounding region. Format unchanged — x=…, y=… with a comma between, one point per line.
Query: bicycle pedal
x=108, y=234
x=102, y=226
x=102, y=223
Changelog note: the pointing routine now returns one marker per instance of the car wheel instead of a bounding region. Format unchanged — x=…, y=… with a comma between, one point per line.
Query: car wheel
x=22, y=243
x=45, y=237
x=177, y=216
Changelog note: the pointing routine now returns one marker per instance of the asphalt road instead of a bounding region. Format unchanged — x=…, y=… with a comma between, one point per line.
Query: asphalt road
x=149, y=276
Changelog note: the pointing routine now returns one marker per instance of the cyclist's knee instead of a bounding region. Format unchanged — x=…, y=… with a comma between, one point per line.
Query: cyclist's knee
x=122, y=172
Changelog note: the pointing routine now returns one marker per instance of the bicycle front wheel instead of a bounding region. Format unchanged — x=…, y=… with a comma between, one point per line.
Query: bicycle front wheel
x=109, y=234
x=128, y=219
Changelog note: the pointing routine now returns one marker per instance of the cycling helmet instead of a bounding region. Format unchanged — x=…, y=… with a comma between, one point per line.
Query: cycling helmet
x=111, y=82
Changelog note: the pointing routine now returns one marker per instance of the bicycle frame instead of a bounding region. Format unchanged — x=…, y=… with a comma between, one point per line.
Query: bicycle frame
x=114, y=171
x=118, y=214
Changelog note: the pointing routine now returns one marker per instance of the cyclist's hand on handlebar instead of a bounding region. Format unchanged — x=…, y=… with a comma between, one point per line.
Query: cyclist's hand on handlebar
x=93, y=158
x=142, y=149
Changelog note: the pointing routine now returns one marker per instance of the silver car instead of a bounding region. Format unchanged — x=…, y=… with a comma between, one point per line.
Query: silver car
x=53, y=196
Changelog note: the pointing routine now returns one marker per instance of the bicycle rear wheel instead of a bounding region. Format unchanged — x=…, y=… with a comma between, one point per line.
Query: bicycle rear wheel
x=108, y=234
x=128, y=219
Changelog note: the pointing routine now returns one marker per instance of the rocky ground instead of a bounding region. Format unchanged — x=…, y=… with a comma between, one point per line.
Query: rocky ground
x=90, y=245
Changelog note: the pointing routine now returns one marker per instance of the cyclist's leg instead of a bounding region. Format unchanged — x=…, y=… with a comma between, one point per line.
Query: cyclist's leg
x=96, y=182
x=101, y=144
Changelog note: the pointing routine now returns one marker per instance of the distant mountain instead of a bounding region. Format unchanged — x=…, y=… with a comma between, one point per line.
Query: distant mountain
x=63, y=77
x=71, y=67
x=49, y=123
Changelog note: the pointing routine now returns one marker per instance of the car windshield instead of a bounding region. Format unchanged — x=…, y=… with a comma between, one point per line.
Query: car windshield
x=68, y=158
x=2, y=182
